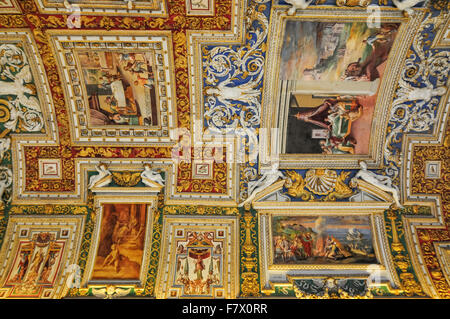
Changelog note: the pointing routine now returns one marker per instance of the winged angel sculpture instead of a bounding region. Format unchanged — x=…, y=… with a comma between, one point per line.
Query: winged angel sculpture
x=16, y=82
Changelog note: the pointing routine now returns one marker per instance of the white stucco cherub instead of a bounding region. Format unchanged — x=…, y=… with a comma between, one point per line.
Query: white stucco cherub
x=103, y=178
x=382, y=182
x=425, y=94
x=268, y=178
x=150, y=177
x=297, y=4
x=406, y=5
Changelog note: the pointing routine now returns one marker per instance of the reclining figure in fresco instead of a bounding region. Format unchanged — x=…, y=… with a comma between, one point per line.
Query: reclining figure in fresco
x=380, y=181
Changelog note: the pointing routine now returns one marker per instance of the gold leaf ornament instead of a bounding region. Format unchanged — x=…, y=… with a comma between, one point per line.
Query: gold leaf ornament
x=295, y=185
x=4, y=111
x=127, y=179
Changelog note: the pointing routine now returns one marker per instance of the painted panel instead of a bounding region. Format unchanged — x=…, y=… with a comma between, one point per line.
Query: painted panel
x=299, y=240
x=332, y=71
x=121, y=242
x=120, y=87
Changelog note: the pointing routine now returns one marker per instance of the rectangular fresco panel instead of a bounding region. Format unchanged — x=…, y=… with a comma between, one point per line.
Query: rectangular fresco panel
x=330, y=73
x=300, y=240
x=39, y=254
x=120, y=88
x=198, y=258
x=200, y=7
x=199, y=263
x=35, y=265
x=121, y=242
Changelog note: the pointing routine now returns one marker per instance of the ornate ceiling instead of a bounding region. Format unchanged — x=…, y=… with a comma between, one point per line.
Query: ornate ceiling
x=224, y=149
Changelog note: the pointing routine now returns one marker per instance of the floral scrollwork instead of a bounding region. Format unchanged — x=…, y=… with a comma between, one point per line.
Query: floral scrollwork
x=18, y=91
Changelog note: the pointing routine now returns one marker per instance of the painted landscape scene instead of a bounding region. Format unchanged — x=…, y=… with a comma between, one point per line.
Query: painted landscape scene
x=322, y=240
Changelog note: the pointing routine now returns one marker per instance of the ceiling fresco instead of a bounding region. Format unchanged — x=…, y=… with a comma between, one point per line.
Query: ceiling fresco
x=224, y=149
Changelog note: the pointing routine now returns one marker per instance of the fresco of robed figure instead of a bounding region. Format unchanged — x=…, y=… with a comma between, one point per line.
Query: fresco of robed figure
x=199, y=263
x=331, y=74
x=120, y=88
x=121, y=242
x=322, y=240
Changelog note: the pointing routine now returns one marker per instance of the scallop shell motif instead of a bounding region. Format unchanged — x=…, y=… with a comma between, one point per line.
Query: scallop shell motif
x=320, y=181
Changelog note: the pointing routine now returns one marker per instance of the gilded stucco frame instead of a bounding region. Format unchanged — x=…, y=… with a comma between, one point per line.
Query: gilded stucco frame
x=14, y=8
x=412, y=223
x=195, y=41
x=318, y=212
x=153, y=8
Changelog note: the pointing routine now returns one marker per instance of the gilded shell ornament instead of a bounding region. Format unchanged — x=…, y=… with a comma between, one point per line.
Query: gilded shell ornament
x=320, y=181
